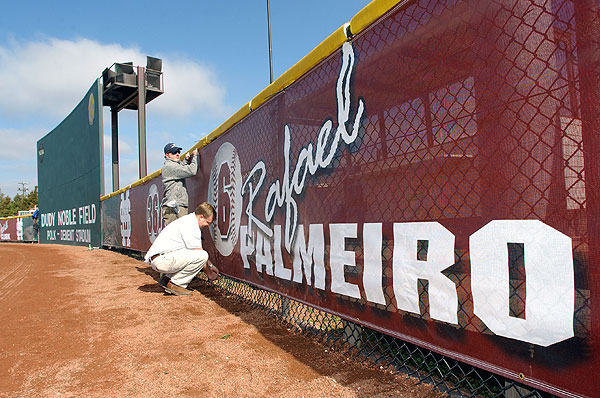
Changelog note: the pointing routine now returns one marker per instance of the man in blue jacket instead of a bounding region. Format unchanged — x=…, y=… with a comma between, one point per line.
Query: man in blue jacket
x=36, y=225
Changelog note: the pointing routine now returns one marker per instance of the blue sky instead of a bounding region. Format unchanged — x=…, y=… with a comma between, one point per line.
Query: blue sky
x=215, y=59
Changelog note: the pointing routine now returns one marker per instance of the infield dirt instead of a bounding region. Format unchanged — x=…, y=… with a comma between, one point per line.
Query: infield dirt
x=81, y=323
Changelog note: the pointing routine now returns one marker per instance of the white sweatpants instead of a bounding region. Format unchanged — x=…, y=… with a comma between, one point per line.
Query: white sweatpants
x=181, y=266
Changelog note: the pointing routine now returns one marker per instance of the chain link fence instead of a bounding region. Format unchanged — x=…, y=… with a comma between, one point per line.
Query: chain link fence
x=373, y=348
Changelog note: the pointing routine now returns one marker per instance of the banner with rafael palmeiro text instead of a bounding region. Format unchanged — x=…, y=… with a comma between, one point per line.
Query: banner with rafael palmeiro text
x=436, y=179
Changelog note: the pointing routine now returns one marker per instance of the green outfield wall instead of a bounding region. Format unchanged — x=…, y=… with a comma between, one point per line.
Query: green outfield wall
x=69, y=164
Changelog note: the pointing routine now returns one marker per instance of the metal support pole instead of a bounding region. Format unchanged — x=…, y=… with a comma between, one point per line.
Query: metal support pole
x=141, y=83
x=114, y=113
x=270, y=47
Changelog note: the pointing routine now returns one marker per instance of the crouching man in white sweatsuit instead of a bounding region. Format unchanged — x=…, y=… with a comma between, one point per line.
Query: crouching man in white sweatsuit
x=177, y=251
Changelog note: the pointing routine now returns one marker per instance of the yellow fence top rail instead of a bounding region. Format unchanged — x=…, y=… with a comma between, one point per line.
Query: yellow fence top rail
x=371, y=12
x=11, y=217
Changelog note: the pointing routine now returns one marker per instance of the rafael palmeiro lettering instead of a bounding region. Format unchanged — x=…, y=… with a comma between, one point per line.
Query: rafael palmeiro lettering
x=548, y=259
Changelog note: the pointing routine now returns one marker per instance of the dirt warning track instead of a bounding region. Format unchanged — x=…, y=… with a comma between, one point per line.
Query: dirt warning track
x=94, y=323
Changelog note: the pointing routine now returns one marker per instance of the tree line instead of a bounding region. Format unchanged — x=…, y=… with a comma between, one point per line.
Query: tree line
x=11, y=206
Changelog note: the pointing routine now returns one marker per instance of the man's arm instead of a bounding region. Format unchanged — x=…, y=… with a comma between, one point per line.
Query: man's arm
x=211, y=271
x=180, y=170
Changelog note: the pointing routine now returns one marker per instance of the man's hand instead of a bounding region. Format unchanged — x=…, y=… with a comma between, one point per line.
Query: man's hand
x=211, y=271
x=190, y=155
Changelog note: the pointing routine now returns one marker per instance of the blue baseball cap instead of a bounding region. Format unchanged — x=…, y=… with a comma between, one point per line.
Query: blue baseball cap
x=172, y=148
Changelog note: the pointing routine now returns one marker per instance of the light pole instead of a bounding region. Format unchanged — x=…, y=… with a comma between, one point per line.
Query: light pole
x=270, y=48
x=126, y=86
x=23, y=188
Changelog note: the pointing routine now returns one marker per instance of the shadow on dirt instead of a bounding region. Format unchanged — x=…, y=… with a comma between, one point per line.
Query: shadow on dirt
x=322, y=358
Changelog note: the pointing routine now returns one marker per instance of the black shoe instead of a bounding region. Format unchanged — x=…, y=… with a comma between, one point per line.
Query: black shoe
x=163, y=281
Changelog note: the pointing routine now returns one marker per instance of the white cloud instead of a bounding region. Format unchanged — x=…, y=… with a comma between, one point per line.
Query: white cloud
x=188, y=88
x=51, y=76
x=17, y=143
x=18, y=161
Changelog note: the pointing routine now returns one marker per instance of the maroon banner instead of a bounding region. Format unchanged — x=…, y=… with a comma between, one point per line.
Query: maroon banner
x=16, y=229
x=133, y=219
x=9, y=230
x=436, y=179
